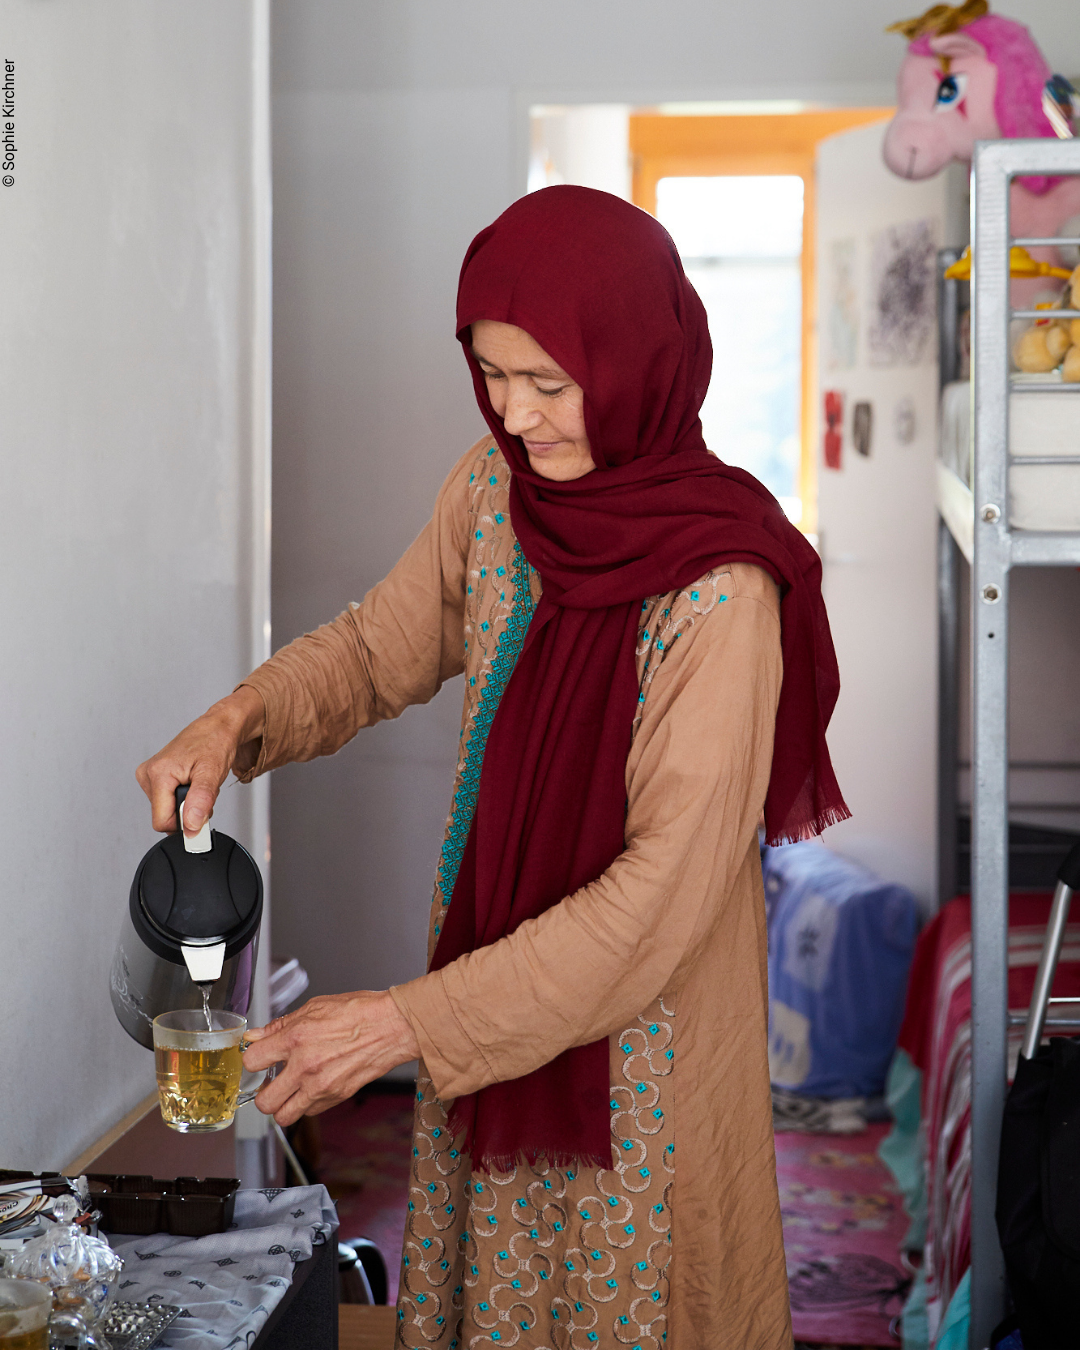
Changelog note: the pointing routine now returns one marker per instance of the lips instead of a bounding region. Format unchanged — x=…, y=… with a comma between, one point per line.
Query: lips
x=540, y=447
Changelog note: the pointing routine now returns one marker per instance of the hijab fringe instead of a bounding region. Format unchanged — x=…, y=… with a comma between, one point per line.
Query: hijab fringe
x=535, y=1157
x=832, y=815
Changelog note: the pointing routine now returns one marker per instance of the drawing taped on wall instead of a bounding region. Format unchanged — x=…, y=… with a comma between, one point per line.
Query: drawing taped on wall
x=902, y=294
x=842, y=306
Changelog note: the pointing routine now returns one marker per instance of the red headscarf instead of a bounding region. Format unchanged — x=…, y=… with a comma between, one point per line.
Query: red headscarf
x=599, y=285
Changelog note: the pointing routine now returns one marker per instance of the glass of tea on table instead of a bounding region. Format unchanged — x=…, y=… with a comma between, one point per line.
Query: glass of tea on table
x=25, y=1307
x=199, y=1069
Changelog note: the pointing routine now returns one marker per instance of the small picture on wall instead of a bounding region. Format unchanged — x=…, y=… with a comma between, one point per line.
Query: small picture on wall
x=834, y=421
x=862, y=427
x=903, y=294
x=841, y=306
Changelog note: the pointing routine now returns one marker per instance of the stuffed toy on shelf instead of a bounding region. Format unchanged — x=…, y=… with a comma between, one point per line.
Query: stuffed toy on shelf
x=969, y=75
x=1049, y=343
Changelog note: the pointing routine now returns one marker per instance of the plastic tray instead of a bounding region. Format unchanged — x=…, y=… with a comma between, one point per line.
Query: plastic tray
x=184, y=1207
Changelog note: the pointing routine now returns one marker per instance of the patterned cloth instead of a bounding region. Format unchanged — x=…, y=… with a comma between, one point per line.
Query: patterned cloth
x=577, y=1257
x=579, y=1254
x=228, y=1283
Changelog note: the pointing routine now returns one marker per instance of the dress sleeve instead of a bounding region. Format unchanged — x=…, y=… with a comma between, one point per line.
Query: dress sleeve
x=395, y=648
x=697, y=777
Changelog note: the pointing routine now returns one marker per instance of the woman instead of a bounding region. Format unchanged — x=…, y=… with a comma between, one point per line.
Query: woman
x=637, y=624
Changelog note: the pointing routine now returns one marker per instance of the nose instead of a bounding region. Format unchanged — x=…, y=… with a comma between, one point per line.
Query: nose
x=521, y=413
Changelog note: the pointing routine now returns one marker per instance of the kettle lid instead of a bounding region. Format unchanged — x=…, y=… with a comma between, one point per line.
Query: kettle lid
x=185, y=895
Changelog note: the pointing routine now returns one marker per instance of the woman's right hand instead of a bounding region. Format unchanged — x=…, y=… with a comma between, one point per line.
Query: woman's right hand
x=202, y=755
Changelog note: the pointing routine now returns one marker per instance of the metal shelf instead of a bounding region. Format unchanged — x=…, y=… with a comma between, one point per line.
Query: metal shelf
x=1042, y=387
x=978, y=521
x=1039, y=548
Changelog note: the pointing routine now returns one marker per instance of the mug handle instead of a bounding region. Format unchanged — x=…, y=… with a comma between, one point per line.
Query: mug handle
x=248, y=1094
x=68, y=1328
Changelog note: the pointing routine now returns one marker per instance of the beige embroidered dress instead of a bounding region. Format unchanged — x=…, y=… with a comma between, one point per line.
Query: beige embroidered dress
x=679, y=1242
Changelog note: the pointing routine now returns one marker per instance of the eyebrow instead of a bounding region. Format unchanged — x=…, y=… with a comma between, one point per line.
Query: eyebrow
x=541, y=372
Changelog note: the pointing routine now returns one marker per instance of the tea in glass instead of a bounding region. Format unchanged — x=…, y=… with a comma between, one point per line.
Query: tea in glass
x=199, y=1071
x=25, y=1307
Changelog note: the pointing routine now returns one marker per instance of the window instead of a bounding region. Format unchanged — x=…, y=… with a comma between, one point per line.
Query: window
x=701, y=162
x=740, y=239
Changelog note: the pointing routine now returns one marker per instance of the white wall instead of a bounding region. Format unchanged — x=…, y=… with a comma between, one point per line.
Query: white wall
x=133, y=493
x=878, y=527
x=584, y=144
x=400, y=129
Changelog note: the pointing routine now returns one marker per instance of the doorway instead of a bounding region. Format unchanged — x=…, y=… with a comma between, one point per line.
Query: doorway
x=736, y=191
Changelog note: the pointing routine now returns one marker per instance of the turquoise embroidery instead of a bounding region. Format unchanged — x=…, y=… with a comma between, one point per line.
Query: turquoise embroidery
x=507, y=650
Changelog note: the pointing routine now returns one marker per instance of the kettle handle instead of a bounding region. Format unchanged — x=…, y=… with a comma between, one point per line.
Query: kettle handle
x=199, y=843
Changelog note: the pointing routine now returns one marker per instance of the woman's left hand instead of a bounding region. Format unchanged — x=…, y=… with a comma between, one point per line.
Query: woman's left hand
x=330, y=1048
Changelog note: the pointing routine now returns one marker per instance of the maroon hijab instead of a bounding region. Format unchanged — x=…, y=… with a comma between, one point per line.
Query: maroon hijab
x=599, y=285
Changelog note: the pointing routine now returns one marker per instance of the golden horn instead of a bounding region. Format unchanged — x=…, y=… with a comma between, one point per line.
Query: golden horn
x=940, y=19
x=1021, y=264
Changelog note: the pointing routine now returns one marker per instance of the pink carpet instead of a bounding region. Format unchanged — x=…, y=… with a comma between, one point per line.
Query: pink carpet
x=844, y=1222
x=366, y=1151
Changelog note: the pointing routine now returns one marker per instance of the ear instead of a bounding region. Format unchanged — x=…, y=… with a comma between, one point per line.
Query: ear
x=957, y=44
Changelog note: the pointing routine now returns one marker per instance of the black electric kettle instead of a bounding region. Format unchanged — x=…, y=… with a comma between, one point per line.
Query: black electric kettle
x=192, y=923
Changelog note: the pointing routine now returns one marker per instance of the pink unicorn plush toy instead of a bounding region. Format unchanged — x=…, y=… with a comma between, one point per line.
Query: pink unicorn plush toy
x=969, y=76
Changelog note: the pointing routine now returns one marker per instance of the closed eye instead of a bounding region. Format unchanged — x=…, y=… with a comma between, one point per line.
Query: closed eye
x=950, y=92
x=492, y=374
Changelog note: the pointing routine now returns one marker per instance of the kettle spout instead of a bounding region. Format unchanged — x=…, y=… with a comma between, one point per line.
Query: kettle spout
x=204, y=962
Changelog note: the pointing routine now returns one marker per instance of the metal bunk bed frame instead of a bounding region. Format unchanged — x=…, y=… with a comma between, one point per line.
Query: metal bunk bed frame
x=979, y=524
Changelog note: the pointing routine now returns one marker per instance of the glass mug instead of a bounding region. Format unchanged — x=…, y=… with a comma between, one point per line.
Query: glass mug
x=26, y=1314
x=199, y=1071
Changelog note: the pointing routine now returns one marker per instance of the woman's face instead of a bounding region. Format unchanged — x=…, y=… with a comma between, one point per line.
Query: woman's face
x=535, y=398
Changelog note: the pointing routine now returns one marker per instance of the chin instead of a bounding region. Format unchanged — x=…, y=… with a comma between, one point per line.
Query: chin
x=561, y=468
